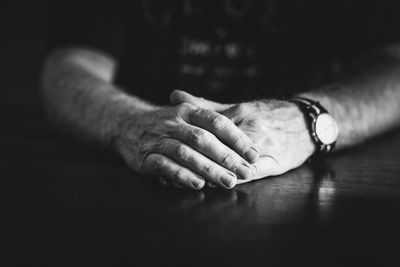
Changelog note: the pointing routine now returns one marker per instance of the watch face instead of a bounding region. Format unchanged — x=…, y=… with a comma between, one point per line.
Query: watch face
x=326, y=129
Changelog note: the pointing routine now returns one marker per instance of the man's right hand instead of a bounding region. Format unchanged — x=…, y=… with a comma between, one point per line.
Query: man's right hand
x=186, y=145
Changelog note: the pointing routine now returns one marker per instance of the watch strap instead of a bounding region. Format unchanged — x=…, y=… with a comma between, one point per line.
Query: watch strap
x=312, y=109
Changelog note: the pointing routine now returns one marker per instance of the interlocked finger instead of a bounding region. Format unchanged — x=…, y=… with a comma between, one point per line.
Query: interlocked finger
x=207, y=144
x=163, y=166
x=197, y=162
x=226, y=131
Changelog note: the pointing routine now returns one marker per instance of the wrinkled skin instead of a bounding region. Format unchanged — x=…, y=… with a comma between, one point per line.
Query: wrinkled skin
x=186, y=145
x=278, y=128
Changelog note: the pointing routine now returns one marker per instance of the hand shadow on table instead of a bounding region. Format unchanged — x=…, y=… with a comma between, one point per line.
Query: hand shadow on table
x=310, y=188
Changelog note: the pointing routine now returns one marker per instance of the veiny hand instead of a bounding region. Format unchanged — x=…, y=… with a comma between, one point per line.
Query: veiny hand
x=278, y=128
x=187, y=145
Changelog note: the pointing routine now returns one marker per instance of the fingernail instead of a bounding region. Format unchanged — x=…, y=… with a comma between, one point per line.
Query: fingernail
x=243, y=171
x=229, y=180
x=198, y=184
x=251, y=155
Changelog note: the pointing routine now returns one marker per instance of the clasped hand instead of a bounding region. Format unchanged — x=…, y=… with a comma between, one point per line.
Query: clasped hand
x=198, y=141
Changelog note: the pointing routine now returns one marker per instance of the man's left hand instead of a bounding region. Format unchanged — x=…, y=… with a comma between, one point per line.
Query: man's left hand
x=277, y=127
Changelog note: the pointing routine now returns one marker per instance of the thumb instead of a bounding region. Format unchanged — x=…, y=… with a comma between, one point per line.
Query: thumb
x=178, y=97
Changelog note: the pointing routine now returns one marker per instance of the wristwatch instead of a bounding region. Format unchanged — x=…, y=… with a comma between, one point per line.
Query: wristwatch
x=323, y=127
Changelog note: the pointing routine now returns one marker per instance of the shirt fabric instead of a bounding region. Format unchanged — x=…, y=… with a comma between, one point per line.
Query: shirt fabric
x=226, y=50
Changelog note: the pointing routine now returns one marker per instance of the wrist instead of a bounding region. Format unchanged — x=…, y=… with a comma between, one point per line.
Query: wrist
x=304, y=129
x=322, y=126
x=127, y=117
x=289, y=118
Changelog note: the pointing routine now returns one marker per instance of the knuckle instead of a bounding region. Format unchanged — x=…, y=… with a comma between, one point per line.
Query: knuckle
x=159, y=163
x=184, y=108
x=210, y=170
x=180, y=175
x=198, y=137
x=218, y=122
x=226, y=159
x=181, y=151
x=237, y=140
x=194, y=112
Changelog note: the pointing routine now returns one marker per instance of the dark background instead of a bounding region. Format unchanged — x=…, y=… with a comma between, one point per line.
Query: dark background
x=61, y=203
x=24, y=31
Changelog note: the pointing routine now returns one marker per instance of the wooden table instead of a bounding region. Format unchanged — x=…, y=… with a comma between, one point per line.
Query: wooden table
x=64, y=203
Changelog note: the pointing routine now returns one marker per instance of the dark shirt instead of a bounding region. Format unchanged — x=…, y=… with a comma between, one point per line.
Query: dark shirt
x=227, y=50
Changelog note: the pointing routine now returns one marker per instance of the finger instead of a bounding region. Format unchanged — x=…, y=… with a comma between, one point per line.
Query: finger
x=264, y=167
x=198, y=163
x=208, y=145
x=245, y=181
x=161, y=165
x=226, y=131
x=178, y=97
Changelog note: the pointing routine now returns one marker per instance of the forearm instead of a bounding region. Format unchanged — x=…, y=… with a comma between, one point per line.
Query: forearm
x=180, y=143
x=85, y=101
x=366, y=102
